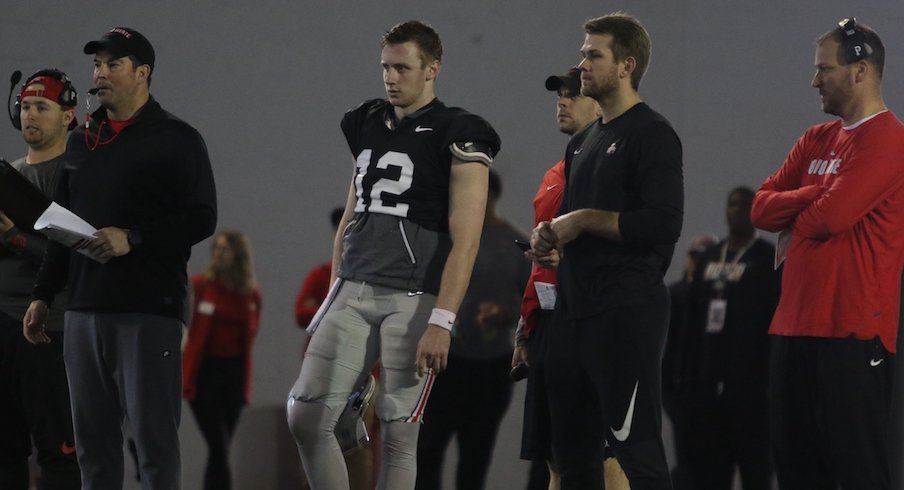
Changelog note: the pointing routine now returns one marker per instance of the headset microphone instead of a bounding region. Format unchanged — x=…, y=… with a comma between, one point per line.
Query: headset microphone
x=91, y=91
x=13, y=80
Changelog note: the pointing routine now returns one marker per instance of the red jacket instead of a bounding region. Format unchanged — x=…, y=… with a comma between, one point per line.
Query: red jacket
x=546, y=205
x=210, y=302
x=840, y=192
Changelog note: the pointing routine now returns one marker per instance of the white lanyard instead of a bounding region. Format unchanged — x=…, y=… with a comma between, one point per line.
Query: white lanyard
x=721, y=281
x=740, y=253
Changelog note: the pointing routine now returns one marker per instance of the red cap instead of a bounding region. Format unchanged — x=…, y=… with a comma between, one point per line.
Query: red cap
x=53, y=90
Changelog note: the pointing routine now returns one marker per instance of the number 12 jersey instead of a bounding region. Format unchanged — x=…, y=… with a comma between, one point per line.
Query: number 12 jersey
x=399, y=236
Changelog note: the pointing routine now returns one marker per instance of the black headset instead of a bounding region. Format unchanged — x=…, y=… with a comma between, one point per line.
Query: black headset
x=853, y=41
x=68, y=96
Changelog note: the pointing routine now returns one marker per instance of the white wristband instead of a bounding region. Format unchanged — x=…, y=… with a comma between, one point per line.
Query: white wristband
x=442, y=318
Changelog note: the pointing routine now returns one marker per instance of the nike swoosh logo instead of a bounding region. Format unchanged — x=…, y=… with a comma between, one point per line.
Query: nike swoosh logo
x=551, y=187
x=578, y=151
x=876, y=362
x=623, y=433
x=421, y=129
x=67, y=449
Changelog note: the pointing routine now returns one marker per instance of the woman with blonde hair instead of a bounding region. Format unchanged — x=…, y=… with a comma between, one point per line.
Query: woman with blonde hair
x=216, y=376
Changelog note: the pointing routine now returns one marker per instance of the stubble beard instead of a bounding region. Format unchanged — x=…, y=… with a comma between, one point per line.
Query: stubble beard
x=35, y=139
x=601, y=90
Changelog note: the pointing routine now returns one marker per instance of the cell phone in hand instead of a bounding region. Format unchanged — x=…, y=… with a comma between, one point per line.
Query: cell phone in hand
x=524, y=246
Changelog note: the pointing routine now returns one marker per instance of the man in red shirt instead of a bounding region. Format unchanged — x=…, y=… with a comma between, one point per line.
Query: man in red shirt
x=838, y=201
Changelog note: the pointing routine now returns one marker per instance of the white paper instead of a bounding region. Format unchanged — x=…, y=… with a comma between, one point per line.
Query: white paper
x=206, y=308
x=781, y=246
x=546, y=293
x=64, y=226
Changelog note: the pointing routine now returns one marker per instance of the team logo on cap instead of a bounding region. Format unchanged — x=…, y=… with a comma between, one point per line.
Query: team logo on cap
x=122, y=32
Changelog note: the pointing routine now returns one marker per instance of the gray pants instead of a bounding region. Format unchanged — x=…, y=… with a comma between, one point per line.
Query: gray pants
x=363, y=324
x=125, y=365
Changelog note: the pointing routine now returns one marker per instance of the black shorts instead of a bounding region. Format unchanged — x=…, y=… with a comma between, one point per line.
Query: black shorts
x=603, y=380
x=535, y=435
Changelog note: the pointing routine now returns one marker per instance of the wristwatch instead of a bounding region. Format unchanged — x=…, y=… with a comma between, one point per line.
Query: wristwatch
x=134, y=238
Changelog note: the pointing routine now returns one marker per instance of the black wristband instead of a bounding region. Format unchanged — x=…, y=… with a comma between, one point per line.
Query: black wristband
x=134, y=238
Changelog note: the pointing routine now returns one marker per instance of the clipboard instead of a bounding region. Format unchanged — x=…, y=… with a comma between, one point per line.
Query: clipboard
x=20, y=200
x=30, y=209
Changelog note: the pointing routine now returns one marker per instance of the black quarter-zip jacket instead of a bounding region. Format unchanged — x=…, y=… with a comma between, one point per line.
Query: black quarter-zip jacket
x=153, y=177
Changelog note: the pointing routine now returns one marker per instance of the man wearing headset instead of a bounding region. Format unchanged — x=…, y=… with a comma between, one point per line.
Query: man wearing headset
x=838, y=201
x=143, y=177
x=33, y=383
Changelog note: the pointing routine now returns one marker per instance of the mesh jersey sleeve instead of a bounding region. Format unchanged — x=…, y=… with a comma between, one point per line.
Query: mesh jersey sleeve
x=466, y=127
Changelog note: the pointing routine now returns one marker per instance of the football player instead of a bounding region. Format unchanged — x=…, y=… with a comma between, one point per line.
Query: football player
x=402, y=259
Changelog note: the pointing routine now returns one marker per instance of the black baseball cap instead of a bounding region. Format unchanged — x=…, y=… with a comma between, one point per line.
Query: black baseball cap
x=570, y=81
x=124, y=41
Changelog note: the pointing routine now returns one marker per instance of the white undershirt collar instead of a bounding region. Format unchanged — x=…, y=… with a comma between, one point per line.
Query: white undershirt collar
x=858, y=123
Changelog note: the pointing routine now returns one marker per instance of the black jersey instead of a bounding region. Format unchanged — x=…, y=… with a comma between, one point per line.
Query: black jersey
x=400, y=234
x=631, y=165
x=403, y=169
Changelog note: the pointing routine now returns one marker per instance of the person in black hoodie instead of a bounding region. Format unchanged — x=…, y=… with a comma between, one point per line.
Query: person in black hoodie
x=143, y=178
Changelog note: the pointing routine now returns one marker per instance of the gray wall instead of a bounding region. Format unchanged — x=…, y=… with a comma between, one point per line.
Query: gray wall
x=267, y=82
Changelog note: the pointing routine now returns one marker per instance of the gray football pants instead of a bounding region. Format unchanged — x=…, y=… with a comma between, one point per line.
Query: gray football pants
x=364, y=324
x=125, y=364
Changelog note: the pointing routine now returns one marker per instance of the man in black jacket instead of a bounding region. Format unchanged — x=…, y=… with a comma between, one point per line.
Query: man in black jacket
x=143, y=177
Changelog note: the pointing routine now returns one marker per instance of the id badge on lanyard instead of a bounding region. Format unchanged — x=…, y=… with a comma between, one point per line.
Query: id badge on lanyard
x=718, y=306
x=715, y=318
